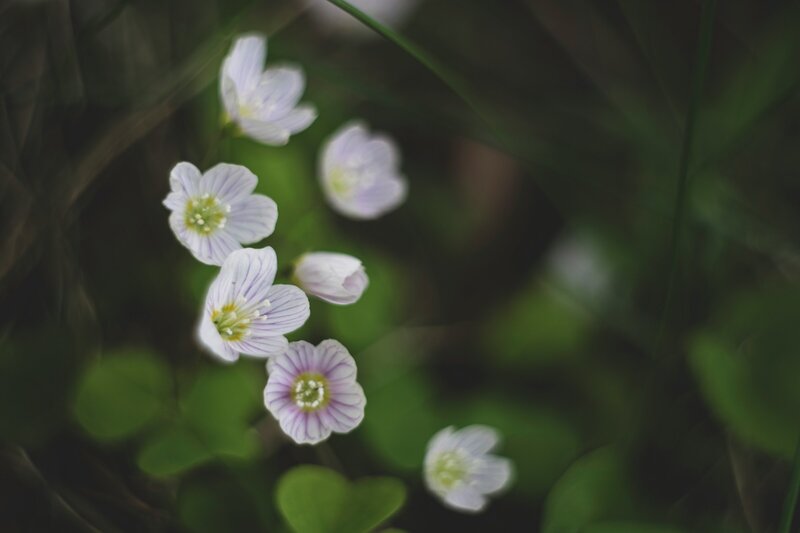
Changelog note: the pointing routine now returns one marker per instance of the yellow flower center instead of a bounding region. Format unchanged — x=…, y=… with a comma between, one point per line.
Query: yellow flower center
x=449, y=468
x=205, y=214
x=310, y=391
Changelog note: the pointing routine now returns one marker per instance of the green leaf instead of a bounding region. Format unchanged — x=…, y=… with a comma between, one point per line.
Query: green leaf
x=594, y=489
x=727, y=386
x=120, y=394
x=213, y=421
x=399, y=421
x=172, y=452
x=748, y=369
x=371, y=502
x=313, y=499
x=539, y=326
x=630, y=527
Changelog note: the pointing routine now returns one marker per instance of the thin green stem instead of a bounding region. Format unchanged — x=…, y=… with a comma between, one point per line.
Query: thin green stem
x=447, y=77
x=790, y=503
x=684, y=184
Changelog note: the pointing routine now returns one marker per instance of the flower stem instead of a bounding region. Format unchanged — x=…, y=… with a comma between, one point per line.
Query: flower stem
x=790, y=503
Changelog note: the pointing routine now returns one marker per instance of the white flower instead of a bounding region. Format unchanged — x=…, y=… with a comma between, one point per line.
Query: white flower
x=390, y=13
x=214, y=213
x=335, y=278
x=312, y=391
x=245, y=313
x=359, y=173
x=263, y=103
x=460, y=470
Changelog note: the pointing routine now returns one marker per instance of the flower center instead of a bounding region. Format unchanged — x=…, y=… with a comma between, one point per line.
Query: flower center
x=310, y=391
x=449, y=468
x=345, y=182
x=206, y=214
x=233, y=319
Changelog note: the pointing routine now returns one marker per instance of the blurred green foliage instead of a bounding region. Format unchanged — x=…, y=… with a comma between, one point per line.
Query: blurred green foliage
x=318, y=500
x=523, y=285
x=121, y=394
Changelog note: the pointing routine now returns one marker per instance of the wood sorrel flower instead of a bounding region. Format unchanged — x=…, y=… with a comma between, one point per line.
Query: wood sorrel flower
x=245, y=313
x=312, y=391
x=460, y=470
x=214, y=213
x=359, y=173
x=335, y=278
x=263, y=103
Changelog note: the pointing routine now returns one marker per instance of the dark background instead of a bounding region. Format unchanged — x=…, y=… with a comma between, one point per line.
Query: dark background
x=636, y=341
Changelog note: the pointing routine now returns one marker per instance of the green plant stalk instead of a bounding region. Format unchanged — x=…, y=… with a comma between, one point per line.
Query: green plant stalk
x=683, y=189
x=449, y=79
x=790, y=503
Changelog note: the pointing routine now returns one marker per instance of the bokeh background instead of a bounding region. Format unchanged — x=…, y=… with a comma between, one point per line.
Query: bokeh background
x=611, y=284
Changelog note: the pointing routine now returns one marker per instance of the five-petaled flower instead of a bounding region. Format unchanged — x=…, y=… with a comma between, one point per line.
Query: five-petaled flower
x=335, y=278
x=245, y=313
x=263, y=103
x=359, y=173
x=312, y=391
x=460, y=470
x=214, y=213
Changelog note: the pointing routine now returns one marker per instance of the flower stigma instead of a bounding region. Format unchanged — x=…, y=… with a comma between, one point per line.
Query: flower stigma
x=233, y=319
x=310, y=391
x=205, y=214
x=449, y=469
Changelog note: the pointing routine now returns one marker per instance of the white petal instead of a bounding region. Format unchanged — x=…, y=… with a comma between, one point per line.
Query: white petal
x=341, y=145
x=228, y=183
x=209, y=337
x=265, y=131
x=345, y=412
x=297, y=119
x=252, y=219
x=184, y=178
x=492, y=474
x=277, y=92
x=261, y=345
x=245, y=61
x=335, y=278
x=246, y=274
x=288, y=310
x=211, y=249
x=477, y=439
x=335, y=362
x=443, y=440
x=383, y=196
x=465, y=498
x=304, y=428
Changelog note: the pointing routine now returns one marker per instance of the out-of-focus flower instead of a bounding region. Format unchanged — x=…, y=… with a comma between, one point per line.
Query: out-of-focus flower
x=460, y=470
x=245, y=313
x=390, y=13
x=312, y=391
x=359, y=173
x=263, y=103
x=578, y=265
x=214, y=213
x=335, y=278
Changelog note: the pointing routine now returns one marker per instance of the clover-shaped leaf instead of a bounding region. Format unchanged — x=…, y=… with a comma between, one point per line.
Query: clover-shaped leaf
x=313, y=499
x=120, y=394
x=213, y=421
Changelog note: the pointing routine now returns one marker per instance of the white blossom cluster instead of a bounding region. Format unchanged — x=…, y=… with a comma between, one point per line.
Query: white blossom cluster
x=311, y=390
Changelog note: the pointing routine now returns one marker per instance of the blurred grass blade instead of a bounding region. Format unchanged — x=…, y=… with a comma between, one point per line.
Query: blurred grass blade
x=448, y=78
x=790, y=504
x=701, y=65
